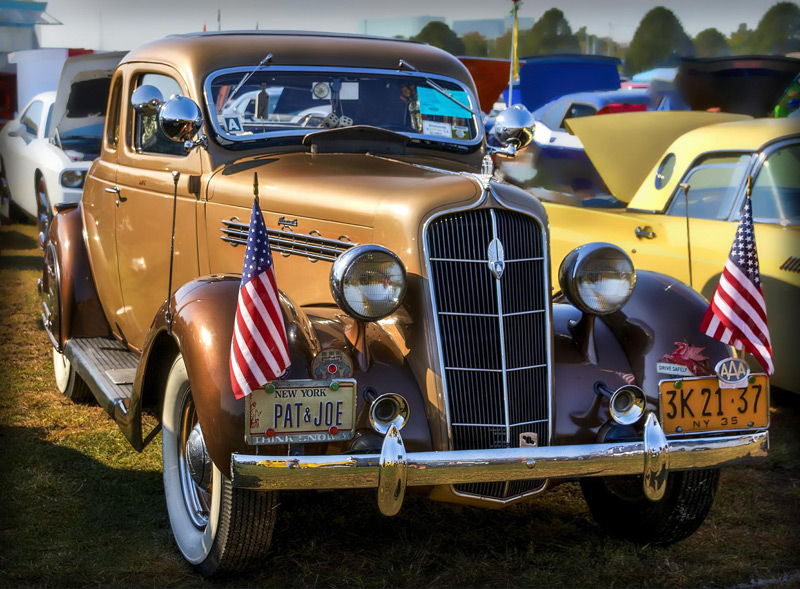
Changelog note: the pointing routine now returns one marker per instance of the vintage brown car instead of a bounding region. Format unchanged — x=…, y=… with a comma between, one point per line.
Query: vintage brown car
x=415, y=291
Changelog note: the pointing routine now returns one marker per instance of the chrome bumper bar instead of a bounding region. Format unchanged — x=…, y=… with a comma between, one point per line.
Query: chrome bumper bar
x=394, y=469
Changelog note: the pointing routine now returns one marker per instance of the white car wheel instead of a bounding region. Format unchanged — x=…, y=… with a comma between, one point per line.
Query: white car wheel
x=217, y=528
x=68, y=382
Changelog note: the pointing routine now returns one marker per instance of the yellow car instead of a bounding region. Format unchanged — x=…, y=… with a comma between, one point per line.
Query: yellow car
x=656, y=162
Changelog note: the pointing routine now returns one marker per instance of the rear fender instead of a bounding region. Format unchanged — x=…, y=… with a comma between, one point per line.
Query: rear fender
x=71, y=307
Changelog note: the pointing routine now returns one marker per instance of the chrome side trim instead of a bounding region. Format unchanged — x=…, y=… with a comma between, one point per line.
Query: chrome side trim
x=309, y=246
x=364, y=471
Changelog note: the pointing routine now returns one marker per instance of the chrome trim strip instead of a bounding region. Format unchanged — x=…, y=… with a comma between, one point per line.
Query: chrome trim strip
x=301, y=244
x=501, y=330
x=302, y=132
x=474, y=466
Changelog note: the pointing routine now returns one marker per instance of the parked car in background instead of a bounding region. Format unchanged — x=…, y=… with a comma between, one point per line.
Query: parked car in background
x=656, y=162
x=555, y=161
x=46, y=151
x=426, y=349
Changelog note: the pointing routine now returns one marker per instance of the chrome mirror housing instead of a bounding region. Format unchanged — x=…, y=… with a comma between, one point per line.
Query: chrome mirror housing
x=514, y=127
x=181, y=120
x=147, y=100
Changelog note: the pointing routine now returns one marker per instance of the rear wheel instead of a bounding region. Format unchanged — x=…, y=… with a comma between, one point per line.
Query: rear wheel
x=69, y=384
x=618, y=504
x=218, y=528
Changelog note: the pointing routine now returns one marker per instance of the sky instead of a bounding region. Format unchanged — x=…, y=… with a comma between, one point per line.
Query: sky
x=122, y=25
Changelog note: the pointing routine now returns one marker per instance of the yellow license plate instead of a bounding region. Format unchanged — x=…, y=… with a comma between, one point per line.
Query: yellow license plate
x=301, y=412
x=700, y=405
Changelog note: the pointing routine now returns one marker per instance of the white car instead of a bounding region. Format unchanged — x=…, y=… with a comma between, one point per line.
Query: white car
x=46, y=150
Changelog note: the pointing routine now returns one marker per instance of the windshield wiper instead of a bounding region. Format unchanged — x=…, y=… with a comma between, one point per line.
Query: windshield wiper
x=267, y=59
x=404, y=64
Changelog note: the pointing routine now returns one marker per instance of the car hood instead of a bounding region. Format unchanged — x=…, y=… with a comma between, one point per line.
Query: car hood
x=353, y=189
x=82, y=95
x=625, y=147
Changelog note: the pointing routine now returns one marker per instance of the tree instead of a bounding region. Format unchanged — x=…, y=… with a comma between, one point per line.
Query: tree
x=439, y=35
x=550, y=34
x=659, y=41
x=778, y=32
x=475, y=44
x=711, y=43
x=740, y=40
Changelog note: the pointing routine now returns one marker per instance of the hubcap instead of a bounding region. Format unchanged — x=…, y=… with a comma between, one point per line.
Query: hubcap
x=196, y=498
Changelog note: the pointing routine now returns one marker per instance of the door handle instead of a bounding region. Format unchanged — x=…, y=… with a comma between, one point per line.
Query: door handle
x=115, y=191
x=645, y=232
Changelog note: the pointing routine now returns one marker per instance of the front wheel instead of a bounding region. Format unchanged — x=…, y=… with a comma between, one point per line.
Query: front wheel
x=44, y=214
x=217, y=528
x=618, y=504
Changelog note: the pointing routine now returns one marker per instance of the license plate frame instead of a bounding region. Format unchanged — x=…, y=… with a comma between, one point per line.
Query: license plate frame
x=267, y=424
x=713, y=408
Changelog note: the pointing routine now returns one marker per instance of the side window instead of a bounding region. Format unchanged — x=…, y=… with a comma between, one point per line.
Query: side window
x=552, y=118
x=32, y=117
x=578, y=110
x=148, y=137
x=112, y=120
x=776, y=189
x=713, y=184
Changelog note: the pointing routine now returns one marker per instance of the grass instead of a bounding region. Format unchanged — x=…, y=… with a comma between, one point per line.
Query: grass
x=80, y=508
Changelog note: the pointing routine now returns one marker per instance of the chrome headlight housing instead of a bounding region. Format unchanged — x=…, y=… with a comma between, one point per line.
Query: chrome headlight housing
x=73, y=178
x=597, y=278
x=368, y=282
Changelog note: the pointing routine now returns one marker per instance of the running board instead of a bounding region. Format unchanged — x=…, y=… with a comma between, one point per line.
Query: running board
x=108, y=368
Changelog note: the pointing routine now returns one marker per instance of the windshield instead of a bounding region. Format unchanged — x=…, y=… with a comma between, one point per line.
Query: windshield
x=280, y=102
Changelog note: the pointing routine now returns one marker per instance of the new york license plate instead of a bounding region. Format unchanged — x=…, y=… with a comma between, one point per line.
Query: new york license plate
x=691, y=405
x=301, y=411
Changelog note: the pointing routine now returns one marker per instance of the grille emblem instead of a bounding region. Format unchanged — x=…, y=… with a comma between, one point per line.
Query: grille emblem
x=497, y=256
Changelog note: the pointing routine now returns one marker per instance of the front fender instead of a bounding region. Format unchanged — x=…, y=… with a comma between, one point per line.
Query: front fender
x=202, y=328
x=628, y=345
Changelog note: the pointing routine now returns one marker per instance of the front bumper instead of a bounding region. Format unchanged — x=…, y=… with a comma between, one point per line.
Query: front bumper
x=394, y=469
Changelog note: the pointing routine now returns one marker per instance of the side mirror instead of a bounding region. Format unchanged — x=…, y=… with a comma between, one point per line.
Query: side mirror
x=181, y=120
x=147, y=100
x=514, y=127
x=17, y=131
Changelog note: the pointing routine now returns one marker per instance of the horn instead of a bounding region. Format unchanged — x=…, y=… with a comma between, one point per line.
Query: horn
x=627, y=404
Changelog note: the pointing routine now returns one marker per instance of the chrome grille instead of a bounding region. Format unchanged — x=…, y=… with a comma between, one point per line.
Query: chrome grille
x=493, y=334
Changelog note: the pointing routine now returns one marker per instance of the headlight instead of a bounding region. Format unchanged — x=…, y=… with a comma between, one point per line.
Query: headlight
x=73, y=178
x=368, y=282
x=597, y=278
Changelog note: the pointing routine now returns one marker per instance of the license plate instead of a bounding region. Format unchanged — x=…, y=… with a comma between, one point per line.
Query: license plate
x=301, y=411
x=700, y=405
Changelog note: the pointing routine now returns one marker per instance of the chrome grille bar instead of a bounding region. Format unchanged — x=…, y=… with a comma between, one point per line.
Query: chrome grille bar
x=493, y=334
x=313, y=247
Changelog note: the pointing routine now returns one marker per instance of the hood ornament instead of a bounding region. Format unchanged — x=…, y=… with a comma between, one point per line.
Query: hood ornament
x=497, y=257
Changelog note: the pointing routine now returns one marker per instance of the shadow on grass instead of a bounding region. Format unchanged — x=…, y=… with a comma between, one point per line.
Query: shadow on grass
x=16, y=240
x=20, y=262
x=65, y=514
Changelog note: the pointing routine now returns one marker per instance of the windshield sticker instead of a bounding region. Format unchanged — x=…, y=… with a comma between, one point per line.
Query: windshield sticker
x=233, y=123
x=323, y=91
x=433, y=102
x=460, y=132
x=437, y=129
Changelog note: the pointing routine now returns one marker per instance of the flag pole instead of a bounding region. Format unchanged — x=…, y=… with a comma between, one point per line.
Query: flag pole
x=514, y=68
x=255, y=189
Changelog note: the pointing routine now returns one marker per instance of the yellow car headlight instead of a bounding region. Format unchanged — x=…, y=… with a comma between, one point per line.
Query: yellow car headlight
x=368, y=282
x=597, y=278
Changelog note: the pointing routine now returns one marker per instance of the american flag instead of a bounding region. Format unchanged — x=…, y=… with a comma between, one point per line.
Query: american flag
x=737, y=314
x=259, y=352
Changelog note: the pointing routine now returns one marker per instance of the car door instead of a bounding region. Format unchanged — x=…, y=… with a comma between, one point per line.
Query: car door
x=20, y=167
x=99, y=203
x=145, y=180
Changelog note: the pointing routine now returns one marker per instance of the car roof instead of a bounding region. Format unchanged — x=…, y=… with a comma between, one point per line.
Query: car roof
x=196, y=55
